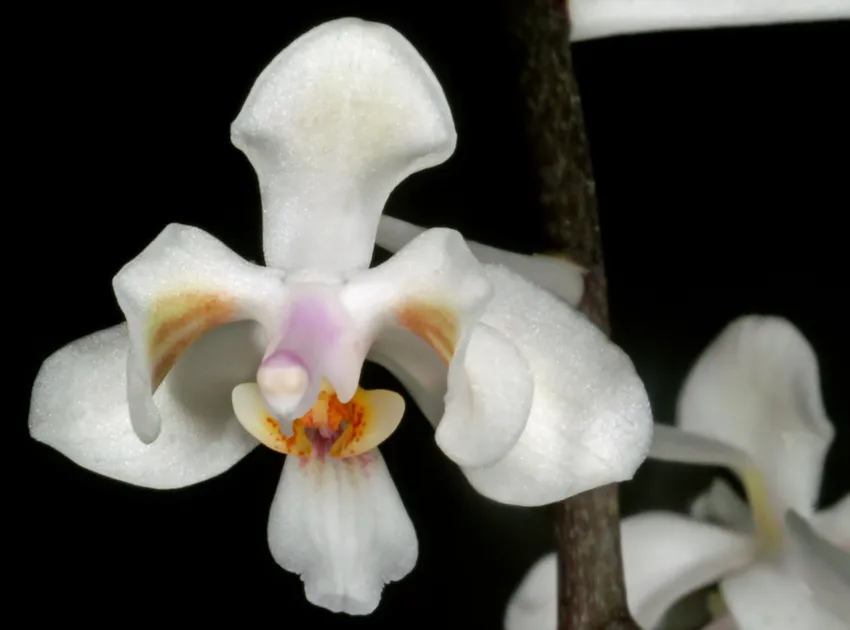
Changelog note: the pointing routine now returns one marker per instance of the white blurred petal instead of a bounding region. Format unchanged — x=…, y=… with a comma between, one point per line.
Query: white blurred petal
x=667, y=556
x=672, y=444
x=434, y=289
x=182, y=285
x=822, y=565
x=534, y=604
x=79, y=407
x=562, y=277
x=592, y=19
x=765, y=597
x=757, y=387
x=336, y=121
x=590, y=421
x=340, y=524
x=721, y=505
x=833, y=523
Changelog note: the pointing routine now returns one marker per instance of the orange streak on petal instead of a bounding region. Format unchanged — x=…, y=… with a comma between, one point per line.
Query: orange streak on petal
x=438, y=326
x=179, y=319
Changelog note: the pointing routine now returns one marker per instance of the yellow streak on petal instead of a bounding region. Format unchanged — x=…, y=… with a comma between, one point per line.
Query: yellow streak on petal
x=767, y=525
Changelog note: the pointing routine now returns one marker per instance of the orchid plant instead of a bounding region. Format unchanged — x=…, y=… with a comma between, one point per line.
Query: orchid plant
x=751, y=402
x=218, y=355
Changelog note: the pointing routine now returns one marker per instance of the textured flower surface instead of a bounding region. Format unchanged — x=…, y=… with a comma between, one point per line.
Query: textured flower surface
x=752, y=402
x=218, y=355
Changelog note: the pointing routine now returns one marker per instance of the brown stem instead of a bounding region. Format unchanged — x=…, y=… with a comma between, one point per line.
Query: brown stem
x=591, y=591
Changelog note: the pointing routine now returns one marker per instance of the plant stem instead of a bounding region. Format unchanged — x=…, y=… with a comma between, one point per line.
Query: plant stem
x=591, y=592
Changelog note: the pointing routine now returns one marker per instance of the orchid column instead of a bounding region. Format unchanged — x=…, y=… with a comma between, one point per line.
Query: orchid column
x=591, y=592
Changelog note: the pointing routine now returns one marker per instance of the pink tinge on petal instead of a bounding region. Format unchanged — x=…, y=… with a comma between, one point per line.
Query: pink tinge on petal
x=317, y=342
x=310, y=317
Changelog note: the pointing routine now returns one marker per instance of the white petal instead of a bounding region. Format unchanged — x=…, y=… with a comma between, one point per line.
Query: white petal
x=434, y=289
x=79, y=407
x=488, y=400
x=766, y=598
x=672, y=444
x=757, y=387
x=558, y=275
x=534, y=605
x=340, y=524
x=487, y=409
x=592, y=19
x=332, y=125
x=675, y=445
x=833, y=523
x=184, y=284
x=823, y=566
x=590, y=421
x=667, y=556
x=719, y=504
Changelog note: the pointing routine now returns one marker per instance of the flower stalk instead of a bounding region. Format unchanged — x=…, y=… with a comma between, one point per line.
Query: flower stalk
x=591, y=590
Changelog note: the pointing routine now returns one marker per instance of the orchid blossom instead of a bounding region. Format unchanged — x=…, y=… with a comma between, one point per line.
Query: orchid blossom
x=751, y=402
x=594, y=19
x=218, y=354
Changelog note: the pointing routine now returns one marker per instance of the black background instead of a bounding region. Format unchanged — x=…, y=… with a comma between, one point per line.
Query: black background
x=721, y=163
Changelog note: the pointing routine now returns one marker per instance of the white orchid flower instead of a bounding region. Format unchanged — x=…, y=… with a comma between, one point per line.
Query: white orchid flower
x=593, y=19
x=218, y=354
x=667, y=555
x=751, y=402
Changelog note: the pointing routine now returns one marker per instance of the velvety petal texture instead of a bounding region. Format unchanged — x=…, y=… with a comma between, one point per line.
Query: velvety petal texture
x=558, y=275
x=590, y=422
x=184, y=284
x=757, y=388
x=592, y=19
x=435, y=291
x=331, y=126
x=340, y=524
x=79, y=407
